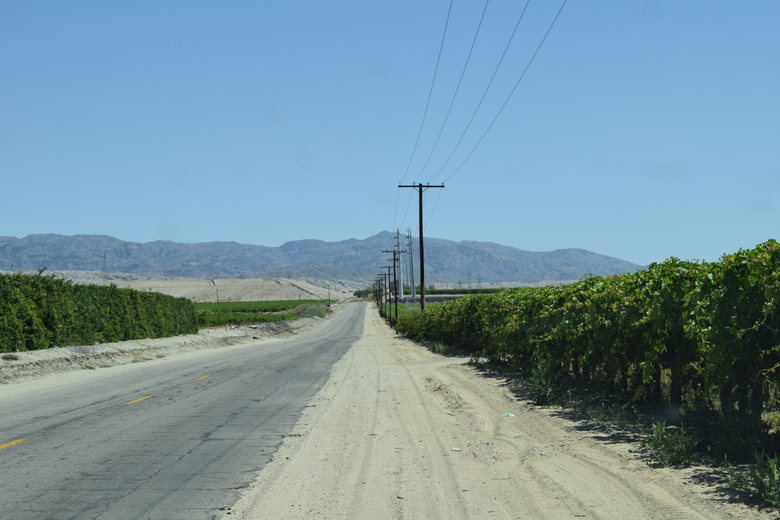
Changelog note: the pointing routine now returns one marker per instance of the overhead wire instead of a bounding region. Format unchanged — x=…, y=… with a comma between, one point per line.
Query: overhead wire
x=479, y=105
x=433, y=207
x=425, y=112
x=457, y=89
x=506, y=101
x=511, y=92
x=485, y=92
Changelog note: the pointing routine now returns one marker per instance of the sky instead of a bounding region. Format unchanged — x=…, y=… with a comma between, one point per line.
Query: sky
x=635, y=129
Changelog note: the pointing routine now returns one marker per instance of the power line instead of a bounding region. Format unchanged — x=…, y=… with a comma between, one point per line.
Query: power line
x=511, y=92
x=425, y=112
x=433, y=209
x=395, y=211
x=478, y=106
x=457, y=89
x=487, y=88
x=408, y=204
x=430, y=92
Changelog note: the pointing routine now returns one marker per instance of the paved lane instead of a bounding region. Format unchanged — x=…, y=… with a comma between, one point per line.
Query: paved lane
x=171, y=439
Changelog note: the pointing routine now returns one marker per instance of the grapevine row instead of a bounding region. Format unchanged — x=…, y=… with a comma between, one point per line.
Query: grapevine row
x=700, y=336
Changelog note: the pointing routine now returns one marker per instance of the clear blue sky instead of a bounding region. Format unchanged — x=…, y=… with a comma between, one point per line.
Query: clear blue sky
x=642, y=130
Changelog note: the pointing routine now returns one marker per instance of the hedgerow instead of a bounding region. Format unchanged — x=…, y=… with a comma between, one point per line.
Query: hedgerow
x=38, y=312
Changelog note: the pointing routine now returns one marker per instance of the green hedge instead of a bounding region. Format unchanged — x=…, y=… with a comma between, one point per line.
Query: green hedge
x=38, y=312
x=701, y=336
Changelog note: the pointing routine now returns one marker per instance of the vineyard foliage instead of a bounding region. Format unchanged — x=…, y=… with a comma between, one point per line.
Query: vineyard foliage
x=38, y=312
x=701, y=336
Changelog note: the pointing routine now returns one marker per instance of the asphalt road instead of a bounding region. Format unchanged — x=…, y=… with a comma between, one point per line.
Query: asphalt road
x=164, y=440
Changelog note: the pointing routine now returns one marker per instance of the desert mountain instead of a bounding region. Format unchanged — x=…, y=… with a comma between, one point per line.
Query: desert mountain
x=353, y=259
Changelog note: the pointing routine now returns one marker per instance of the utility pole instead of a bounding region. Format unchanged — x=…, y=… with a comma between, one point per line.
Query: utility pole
x=400, y=263
x=378, y=291
x=380, y=295
x=387, y=286
x=420, y=188
x=395, y=278
x=411, y=263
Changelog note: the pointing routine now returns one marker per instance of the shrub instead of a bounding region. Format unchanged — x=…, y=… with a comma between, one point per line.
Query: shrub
x=671, y=448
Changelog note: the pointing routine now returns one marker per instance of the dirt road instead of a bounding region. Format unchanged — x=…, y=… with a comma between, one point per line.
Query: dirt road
x=399, y=432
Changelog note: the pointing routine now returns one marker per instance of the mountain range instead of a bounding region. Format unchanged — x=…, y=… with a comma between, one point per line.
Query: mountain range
x=446, y=261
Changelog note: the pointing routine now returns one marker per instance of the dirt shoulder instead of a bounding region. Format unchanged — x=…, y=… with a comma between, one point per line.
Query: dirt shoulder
x=399, y=432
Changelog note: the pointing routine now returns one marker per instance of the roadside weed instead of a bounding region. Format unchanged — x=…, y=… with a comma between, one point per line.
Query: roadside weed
x=670, y=448
x=545, y=385
x=764, y=478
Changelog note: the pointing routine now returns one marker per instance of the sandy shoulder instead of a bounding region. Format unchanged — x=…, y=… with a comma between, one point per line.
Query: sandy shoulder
x=399, y=432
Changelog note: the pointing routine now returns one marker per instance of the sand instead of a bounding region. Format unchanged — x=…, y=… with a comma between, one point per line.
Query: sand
x=221, y=289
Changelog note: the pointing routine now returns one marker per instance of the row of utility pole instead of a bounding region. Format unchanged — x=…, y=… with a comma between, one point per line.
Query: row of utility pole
x=387, y=289
x=389, y=285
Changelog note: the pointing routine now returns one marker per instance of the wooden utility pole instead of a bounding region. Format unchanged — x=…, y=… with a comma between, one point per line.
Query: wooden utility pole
x=380, y=294
x=420, y=188
x=387, y=288
x=395, y=252
x=411, y=263
x=400, y=263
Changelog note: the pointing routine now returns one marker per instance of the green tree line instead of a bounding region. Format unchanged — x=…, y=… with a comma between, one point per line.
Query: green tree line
x=38, y=312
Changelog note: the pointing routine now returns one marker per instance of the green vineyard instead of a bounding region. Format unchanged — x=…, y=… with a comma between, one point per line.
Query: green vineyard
x=701, y=337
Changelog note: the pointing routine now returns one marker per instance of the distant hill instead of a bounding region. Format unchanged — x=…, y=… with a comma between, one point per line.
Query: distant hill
x=446, y=261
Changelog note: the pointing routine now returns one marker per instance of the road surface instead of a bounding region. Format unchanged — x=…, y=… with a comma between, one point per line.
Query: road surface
x=169, y=439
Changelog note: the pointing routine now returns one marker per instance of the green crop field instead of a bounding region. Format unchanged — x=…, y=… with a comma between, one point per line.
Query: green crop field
x=219, y=318
x=213, y=314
